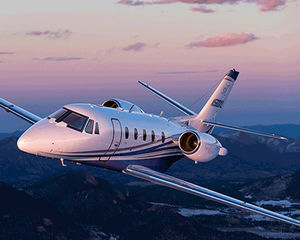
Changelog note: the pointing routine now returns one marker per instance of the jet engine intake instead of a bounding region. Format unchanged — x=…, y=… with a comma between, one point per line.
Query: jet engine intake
x=122, y=104
x=189, y=142
x=200, y=147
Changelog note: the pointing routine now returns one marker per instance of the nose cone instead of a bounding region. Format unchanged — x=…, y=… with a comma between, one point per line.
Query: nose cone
x=27, y=143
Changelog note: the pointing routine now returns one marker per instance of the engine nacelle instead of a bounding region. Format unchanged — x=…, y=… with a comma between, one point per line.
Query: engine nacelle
x=119, y=103
x=200, y=147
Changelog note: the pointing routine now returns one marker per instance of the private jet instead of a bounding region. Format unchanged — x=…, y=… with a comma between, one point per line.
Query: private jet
x=118, y=135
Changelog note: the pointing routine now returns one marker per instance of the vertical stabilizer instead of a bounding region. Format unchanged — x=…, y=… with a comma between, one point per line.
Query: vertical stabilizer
x=215, y=103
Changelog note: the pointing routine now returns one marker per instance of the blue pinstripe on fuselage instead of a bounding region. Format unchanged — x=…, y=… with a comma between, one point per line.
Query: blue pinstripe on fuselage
x=159, y=157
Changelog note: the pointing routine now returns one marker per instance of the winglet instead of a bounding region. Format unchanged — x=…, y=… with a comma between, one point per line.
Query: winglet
x=233, y=74
x=283, y=138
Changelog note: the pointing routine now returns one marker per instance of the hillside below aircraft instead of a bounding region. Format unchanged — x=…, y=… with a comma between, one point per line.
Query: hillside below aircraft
x=119, y=135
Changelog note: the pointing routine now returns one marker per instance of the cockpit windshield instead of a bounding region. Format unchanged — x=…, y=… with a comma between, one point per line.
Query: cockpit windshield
x=58, y=113
x=72, y=119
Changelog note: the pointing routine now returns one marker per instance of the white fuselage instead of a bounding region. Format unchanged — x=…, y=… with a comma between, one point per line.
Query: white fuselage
x=148, y=140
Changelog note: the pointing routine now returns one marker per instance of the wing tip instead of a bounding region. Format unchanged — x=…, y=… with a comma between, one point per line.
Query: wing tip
x=233, y=74
x=141, y=82
x=283, y=138
x=279, y=137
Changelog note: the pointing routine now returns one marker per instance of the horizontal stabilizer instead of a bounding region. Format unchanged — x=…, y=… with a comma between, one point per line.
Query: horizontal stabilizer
x=176, y=104
x=181, y=185
x=20, y=112
x=221, y=125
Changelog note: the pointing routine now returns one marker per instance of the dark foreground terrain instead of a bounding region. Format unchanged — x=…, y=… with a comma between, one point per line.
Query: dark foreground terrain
x=40, y=199
x=76, y=205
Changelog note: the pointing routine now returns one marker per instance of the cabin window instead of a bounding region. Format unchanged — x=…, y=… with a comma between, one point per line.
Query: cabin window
x=126, y=132
x=89, y=127
x=96, y=128
x=144, y=135
x=135, y=134
x=152, y=136
x=163, y=137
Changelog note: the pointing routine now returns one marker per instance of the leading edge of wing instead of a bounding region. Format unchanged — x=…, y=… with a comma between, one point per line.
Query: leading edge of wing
x=18, y=111
x=181, y=185
x=176, y=104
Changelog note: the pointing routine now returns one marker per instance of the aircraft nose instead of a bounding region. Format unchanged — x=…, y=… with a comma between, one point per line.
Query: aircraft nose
x=27, y=143
x=21, y=143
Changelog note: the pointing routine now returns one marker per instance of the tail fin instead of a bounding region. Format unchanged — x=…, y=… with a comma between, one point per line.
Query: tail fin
x=215, y=103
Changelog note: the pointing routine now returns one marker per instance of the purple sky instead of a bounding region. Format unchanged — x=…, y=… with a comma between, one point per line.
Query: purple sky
x=70, y=51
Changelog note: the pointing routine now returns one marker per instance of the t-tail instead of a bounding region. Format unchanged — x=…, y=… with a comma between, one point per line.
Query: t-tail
x=205, y=120
x=215, y=103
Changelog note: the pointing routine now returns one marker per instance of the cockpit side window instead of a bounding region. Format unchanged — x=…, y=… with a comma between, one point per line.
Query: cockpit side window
x=73, y=120
x=89, y=127
x=59, y=113
x=97, y=128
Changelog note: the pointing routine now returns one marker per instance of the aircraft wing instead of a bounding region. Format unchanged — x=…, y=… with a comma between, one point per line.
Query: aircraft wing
x=181, y=185
x=20, y=112
x=176, y=104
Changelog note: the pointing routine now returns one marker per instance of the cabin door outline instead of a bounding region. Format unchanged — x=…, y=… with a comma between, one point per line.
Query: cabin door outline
x=116, y=140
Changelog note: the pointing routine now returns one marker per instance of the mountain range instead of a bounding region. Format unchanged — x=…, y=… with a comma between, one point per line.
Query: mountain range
x=40, y=199
x=12, y=134
x=77, y=205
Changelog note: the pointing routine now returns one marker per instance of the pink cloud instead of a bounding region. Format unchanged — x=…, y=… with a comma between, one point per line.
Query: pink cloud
x=270, y=5
x=59, y=59
x=187, y=72
x=202, y=10
x=51, y=34
x=7, y=53
x=139, y=46
x=132, y=3
x=266, y=5
x=225, y=40
x=157, y=2
x=207, y=1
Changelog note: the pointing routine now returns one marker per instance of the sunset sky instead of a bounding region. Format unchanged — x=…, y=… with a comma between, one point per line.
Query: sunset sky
x=63, y=51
